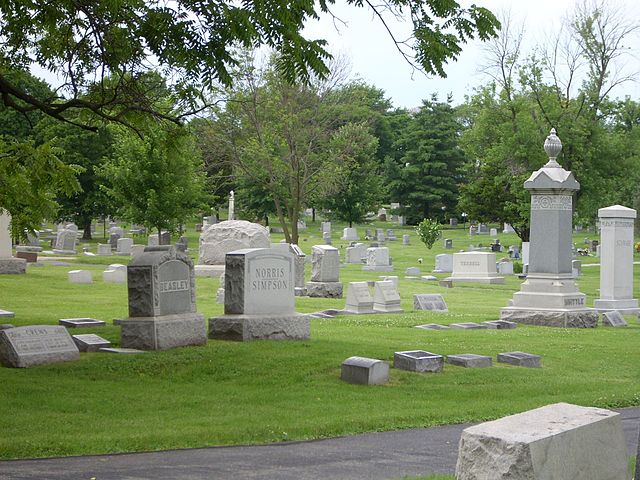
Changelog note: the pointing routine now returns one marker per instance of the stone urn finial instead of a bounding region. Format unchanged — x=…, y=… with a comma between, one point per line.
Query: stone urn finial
x=553, y=147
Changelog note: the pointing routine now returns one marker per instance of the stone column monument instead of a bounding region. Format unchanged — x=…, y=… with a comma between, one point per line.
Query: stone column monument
x=232, y=206
x=616, y=260
x=549, y=296
x=8, y=264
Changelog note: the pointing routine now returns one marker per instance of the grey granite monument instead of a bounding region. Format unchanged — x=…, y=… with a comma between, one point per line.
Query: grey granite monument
x=162, y=302
x=8, y=264
x=549, y=296
x=22, y=347
x=325, y=273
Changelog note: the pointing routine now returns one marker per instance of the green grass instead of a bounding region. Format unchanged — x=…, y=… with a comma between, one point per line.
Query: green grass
x=228, y=393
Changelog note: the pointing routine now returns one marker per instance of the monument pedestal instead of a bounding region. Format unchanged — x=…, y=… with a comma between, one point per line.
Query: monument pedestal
x=13, y=265
x=244, y=328
x=324, y=289
x=488, y=280
x=625, y=307
x=163, y=332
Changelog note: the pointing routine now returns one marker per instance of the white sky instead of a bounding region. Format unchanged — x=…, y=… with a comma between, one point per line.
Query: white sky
x=375, y=59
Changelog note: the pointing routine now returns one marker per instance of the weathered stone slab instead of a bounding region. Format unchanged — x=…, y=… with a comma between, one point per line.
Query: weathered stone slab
x=22, y=347
x=433, y=302
x=418, y=361
x=637, y=475
x=80, y=276
x=6, y=314
x=444, y=263
x=256, y=327
x=520, y=359
x=613, y=319
x=123, y=351
x=13, y=266
x=364, y=371
x=414, y=271
x=559, y=441
x=432, y=326
x=6, y=326
x=468, y=326
x=587, y=318
x=114, y=276
x=500, y=324
x=81, y=322
x=104, y=249
x=428, y=278
x=469, y=360
x=386, y=297
x=378, y=260
x=359, y=298
x=89, y=342
x=325, y=263
x=163, y=332
x=324, y=289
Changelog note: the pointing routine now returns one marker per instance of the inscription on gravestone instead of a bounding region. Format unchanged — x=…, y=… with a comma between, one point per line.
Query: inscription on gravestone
x=36, y=345
x=433, y=302
x=174, y=287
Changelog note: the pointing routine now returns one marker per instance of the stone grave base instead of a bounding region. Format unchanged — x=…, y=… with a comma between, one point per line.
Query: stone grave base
x=163, y=332
x=324, y=289
x=64, y=252
x=28, y=248
x=300, y=291
x=582, y=318
x=379, y=268
x=487, y=280
x=359, y=309
x=213, y=271
x=625, y=307
x=13, y=265
x=244, y=328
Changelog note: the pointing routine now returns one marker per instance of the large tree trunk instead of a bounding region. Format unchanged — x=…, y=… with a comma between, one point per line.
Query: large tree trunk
x=86, y=231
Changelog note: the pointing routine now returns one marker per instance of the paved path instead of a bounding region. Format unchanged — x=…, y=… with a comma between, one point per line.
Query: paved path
x=387, y=455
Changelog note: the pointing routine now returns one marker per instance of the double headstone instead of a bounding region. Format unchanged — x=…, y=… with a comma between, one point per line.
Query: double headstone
x=325, y=272
x=359, y=299
x=162, y=302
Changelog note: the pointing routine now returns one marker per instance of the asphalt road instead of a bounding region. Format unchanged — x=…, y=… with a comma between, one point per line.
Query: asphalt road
x=374, y=456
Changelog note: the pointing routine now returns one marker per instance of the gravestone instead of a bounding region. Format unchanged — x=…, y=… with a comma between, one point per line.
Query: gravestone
x=116, y=273
x=637, y=475
x=113, y=240
x=616, y=261
x=549, y=296
x=412, y=271
x=368, y=234
x=259, y=298
x=500, y=324
x=81, y=322
x=8, y=264
x=391, y=235
x=350, y=235
x=520, y=359
x=380, y=235
x=124, y=246
x=137, y=250
x=453, y=222
x=418, y=361
x=6, y=314
x=182, y=244
x=162, y=302
x=80, y=276
x=508, y=228
x=364, y=371
x=104, y=249
x=325, y=273
x=432, y=326
x=469, y=360
x=505, y=268
x=406, y=240
x=559, y=441
x=326, y=238
x=22, y=347
x=448, y=243
x=66, y=241
x=325, y=227
x=473, y=230
x=444, y=263
x=433, y=302
x=378, y=260
x=299, y=258
x=386, y=297
x=153, y=240
x=483, y=229
x=356, y=253
x=613, y=318
x=576, y=268
x=493, y=232
x=382, y=214
x=395, y=206
x=475, y=267
x=122, y=351
x=359, y=299
x=88, y=342
x=468, y=326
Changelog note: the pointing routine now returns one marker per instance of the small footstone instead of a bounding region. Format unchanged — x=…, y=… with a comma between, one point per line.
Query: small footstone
x=434, y=302
x=126, y=351
x=428, y=278
x=468, y=326
x=446, y=283
x=432, y=326
x=6, y=314
x=6, y=326
x=520, y=359
x=613, y=319
x=469, y=360
x=81, y=322
x=90, y=343
x=418, y=361
x=364, y=371
x=500, y=324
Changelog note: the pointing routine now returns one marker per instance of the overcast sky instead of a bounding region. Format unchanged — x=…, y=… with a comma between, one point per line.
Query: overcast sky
x=375, y=59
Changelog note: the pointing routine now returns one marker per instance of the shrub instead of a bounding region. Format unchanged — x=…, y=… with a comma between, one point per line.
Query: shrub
x=429, y=231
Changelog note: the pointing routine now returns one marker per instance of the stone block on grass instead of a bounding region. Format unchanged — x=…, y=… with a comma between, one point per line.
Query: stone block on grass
x=22, y=347
x=500, y=324
x=6, y=314
x=433, y=302
x=81, y=322
x=364, y=371
x=418, y=361
x=80, y=276
x=123, y=351
x=88, y=342
x=469, y=360
x=468, y=326
x=613, y=319
x=432, y=326
x=520, y=359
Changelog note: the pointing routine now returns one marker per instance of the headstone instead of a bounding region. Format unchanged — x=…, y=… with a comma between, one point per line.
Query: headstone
x=198, y=227
x=6, y=314
x=444, y=263
x=122, y=351
x=182, y=244
x=413, y=271
x=350, y=235
x=22, y=347
x=496, y=246
x=113, y=240
x=359, y=299
x=378, y=260
x=66, y=241
x=493, y=232
x=418, y=361
x=298, y=259
x=368, y=233
x=80, y=276
x=500, y=324
x=364, y=371
x=448, y=243
x=386, y=297
x=433, y=302
x=520, y=359
x=89, y=342
x=231, y=215
x=6, y=326
x=595, y=243
x=483, y=229
x=325, y=273
x=137, y=250
x=469, y=360
x=326, y=238
x=104, y=249
x=549, y=296
x=391, y=235
x=468, y=326
x=473, y=230
x=429, y=278
x=393, y=279
x=432, y=326
x=382, y=214
x=259, y=298
x=165, y=238
x=475, y=267
x=356, y=253
x=613, y=318
x=406, y=240
x=162, y=302
x=616, y=263
x=380, y=235
x=394, y=211
x=115, y=275
x=29, y=257
x=558, y=441
x=124, y=246
x=505, y=268
x=153, y=240
x=525, y=252
x=576, y=268
x=453, y=222
x=81, y=322
x=325, y=227
x=508, y=228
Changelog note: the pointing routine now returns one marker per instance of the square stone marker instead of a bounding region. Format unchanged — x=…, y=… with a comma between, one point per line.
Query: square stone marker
x=6, y=314
x=22, y=347
x=613, y=319
x=520, y=359
x=88, y=342
x=432, y=326
x=500, y=324
x=468, y=326
x=126, y=351
x=433, y=302
x=81, y=322
x=418, y=361
x=469, y=360
x=364, y=371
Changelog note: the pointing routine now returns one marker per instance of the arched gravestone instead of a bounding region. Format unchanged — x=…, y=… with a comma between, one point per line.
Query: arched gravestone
x=162, y=302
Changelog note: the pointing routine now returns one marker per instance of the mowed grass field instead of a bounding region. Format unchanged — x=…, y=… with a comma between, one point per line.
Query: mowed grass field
x=228, y=393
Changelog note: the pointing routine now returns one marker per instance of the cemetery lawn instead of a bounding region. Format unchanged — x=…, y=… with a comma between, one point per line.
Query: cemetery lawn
x=228, y=393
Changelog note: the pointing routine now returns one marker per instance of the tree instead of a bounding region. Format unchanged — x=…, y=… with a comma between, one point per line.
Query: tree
x=102, y=49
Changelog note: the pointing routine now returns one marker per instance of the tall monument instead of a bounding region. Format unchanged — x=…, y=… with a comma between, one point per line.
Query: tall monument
x=8, y=263
x=549, y=296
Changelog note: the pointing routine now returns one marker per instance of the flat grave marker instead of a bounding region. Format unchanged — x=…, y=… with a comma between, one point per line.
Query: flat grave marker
x=125, y=351
x=81, y=322
x=6, y=314
x=613, y=319
x=469, y=360
x=520, y=359
x=468, y=326
x=364, y=371
x=500, y=324
x=426, y=301
x=88, y=342
x=432, y=326
x=22, y=347
x=418, y=361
